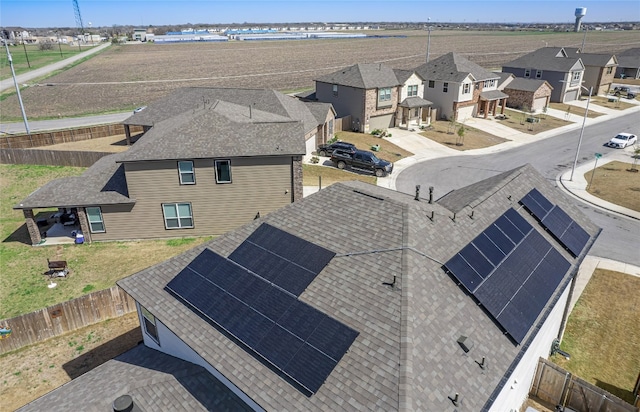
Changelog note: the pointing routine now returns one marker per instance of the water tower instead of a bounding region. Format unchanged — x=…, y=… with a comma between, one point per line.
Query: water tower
x=580, y=13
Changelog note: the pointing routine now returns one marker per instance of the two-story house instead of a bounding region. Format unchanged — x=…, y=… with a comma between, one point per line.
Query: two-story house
x=374, y=96
x=211, y=160
x=629, y=64
x=563, y=72
x=460, y=88
x=599, y=70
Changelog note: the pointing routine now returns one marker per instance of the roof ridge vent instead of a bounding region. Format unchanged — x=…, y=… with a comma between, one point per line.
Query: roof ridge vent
x=368, y=194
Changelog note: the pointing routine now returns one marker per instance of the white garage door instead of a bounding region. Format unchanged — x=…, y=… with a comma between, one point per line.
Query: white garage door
x=311, y=144
x=571, y=96
x=464, y=113
x=539, y=103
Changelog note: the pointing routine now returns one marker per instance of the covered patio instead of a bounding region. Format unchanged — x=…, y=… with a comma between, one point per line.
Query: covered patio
x=411, y=112
x=489, y=102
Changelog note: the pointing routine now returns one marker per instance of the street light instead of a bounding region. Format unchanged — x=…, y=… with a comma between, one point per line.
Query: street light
x=584, y=119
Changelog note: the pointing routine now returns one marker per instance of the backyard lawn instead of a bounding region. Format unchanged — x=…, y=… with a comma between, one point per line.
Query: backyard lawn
x=23, y=285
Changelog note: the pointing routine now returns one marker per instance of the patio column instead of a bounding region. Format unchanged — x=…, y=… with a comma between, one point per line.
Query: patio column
x=127, y=133
x=503, y=104
x=84, y=224
x=32, y=226
x=296, y=178
x=487, y=107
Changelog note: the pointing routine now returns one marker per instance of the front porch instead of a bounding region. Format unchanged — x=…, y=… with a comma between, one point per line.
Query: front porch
x=413, y=112
x=490, y=101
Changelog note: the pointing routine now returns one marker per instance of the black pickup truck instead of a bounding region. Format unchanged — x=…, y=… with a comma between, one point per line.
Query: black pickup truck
x=361, y=160
x=327, y=149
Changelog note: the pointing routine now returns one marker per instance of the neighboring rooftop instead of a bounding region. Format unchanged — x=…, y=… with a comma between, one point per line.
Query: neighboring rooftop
x=363, y=76
x=546, y=58
x=453, y=67
x=529, y=85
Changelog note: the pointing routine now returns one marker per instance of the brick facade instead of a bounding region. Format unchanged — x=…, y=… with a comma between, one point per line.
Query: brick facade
x=519, y=99
x=371, y=104
x=32, y=226
x=296, y=167
x=84, y=224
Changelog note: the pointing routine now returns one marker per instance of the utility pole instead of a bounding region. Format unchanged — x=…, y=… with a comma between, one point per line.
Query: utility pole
x=428, y=38
x=13, y=73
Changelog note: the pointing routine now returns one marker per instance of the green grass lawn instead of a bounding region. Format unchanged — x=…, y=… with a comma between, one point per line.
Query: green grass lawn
x=96, y=266
x=34, y=58
x=603, y=333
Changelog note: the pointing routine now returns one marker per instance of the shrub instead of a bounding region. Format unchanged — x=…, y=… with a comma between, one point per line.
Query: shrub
x=314, y=159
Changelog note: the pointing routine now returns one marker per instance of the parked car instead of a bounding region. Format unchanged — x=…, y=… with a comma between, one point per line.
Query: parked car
x=361, y=160
x=327, y=149
x=623, y=140
x=139, y=109
x=624, y=91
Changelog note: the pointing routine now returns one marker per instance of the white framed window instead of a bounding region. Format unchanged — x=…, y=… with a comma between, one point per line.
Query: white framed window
x=432, y=84
x=185, y=170
x=445, y=87
x=149, y=324
x=223, y=171
x=538, y=74
x=527, y=72
x=384, y=95
x=335, y=89
x=412, y=90
x=466, y=88
x=177, y=215
x=96, y=223
x=609, y=69
x=489, y=83
x=575, y=76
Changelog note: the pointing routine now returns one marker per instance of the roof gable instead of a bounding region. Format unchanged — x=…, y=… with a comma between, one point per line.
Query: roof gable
x=547, y=58
x=453, y=67
x=363, y=76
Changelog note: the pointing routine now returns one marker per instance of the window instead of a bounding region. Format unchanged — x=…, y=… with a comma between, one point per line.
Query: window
x=466, y=88
x=94, y=215
x=527, y=72
x=149, y=324
x=445, y=87
x=223, y=171
x=187, y=175
x=335, y=89
x=177, y=215
x=538, y=74
x=576, y=76
x=384, y=95
x=432, y=84
x=412, y=90
x=477, y=86
x=609, y=69
x=489, y=83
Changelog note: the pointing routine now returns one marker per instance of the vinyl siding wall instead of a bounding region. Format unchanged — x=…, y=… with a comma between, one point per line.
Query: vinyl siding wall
x=258, y=185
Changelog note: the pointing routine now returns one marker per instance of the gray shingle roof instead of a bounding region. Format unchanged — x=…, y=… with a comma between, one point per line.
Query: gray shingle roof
x=103, y=183
x=591, y=59
x=529, y=85
x=154, y=380
x=493, y=95
x=319, y=110
x=405, y=355
x=403, y=75
x=363, y=76
x=222, y=129
x=415, y=101
x=546, y=58
x=504, y=77
x=454, y=68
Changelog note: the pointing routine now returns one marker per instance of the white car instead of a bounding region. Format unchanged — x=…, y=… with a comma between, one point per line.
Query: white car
x=623, y=140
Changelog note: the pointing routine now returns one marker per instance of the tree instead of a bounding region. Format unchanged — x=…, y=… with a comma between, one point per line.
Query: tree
x=461, y=132
x=45, y=46
x=636, y=155
x=451, y=127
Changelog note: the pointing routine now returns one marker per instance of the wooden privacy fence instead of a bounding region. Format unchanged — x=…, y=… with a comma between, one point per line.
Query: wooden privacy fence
x=25, y=141
x=342, y=123
x=65, y=317
x=559, y=387
x=50, y=157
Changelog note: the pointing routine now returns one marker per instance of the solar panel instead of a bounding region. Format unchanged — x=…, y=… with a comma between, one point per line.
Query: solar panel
x=280, y=257
x=512, y=270
x=557, y=221
x=302, y=342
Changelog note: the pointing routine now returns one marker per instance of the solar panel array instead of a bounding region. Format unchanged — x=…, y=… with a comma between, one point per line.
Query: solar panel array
x=512, y=270
x=557, y=221
x=297, y=339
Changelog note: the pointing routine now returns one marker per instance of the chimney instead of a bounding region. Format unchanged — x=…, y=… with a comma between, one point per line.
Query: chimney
x=430, y=194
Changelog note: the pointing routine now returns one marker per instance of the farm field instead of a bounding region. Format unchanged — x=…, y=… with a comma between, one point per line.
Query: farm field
x=128, y=76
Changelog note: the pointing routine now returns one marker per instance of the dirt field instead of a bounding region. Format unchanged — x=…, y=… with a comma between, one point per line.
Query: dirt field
x=31, y=372
x=128, y=76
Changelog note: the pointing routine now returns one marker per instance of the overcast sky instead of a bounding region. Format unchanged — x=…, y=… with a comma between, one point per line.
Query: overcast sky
x=60, y=13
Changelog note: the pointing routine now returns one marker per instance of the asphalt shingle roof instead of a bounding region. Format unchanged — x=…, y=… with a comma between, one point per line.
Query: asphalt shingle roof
x=405, y=355
x=591, y=59
x=104, y=183
x=415, y=101
x=453, y=67
x=363, y=76
x=154, y=380
x=493, y=95
x=546, y=58
x=529, y=85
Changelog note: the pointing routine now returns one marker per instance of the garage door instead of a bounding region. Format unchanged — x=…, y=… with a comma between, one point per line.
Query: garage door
x=539, y=103
x=380, y=122
x=465, y=112
x=571, y=96
x=311, y=144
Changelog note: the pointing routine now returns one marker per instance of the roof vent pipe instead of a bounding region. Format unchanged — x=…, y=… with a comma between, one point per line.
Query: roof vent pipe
x=430, y=194
x=125, y=403
x=417, y=193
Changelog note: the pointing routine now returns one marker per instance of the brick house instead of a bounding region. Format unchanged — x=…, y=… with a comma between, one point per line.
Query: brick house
x=599, y=70
x=527, y=94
